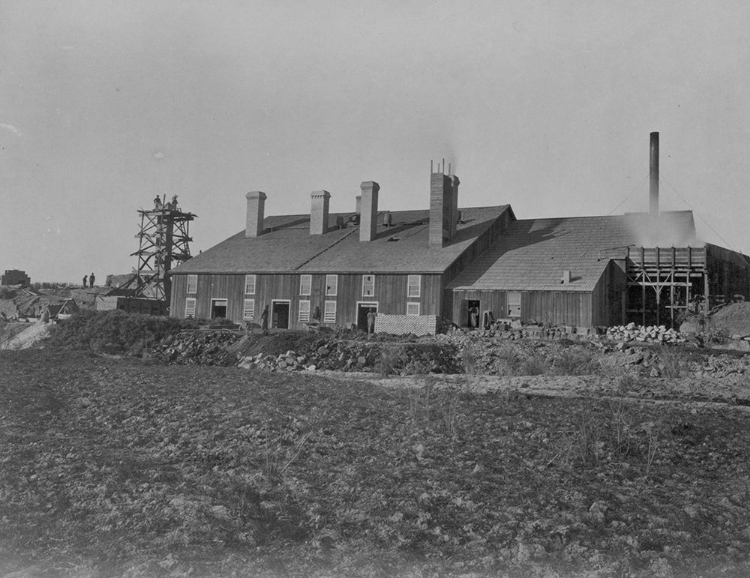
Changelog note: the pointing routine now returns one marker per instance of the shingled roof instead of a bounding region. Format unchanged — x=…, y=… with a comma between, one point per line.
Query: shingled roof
x=286, y=245
x=533, y=253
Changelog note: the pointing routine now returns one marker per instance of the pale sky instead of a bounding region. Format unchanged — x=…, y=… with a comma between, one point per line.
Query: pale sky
x=544, y=105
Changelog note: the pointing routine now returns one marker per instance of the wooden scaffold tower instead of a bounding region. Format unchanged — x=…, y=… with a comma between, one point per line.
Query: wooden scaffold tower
x=164, y=243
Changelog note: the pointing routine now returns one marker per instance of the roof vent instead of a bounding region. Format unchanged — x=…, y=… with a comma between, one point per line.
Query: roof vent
x=387, y=219
x=565, y=279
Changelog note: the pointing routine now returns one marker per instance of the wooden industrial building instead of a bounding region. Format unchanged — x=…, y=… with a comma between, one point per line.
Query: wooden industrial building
x=445, y=263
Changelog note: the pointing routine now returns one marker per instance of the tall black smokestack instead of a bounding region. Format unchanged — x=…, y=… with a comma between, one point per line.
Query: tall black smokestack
x=653, y=205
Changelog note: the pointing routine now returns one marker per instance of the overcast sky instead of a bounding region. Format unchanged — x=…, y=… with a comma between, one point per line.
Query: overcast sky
x=545, y=105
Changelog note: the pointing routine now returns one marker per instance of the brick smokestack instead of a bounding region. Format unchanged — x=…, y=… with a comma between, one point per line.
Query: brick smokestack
x=454, y=204
x=368, y=222
x=256, y=204
x=441, y=203
x=653, y=201
x=319, y=212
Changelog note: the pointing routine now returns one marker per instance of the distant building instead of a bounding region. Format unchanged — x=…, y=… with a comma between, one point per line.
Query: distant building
x=15, y=277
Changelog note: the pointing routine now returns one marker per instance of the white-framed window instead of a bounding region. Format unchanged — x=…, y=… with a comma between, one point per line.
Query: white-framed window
x=249, y=284
x=414, y=286
x=368, y=285
x=329, y=314
x=412, y=308
x=305, y=285
x=514, y=304
x=304, y=310
x=192, y=284
x=332, y=285
x=248, y=309
x=189, y=307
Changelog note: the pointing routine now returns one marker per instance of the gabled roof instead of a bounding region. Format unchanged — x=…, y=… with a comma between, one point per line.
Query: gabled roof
x=287, y=246
x=533, y=253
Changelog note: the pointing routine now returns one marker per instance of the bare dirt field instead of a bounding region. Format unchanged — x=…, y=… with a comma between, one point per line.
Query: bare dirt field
x=115, y=467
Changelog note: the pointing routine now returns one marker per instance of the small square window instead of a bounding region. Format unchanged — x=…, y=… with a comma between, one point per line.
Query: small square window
x=305, y=284
x=368, y=285
x=248, y=309
x=412, y=309
x=414, y=286
x=332, y=285
x=189, y=307
x=329, y=315
x=304, y=311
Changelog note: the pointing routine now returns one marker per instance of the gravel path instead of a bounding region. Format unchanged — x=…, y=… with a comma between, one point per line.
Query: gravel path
x=733, y=391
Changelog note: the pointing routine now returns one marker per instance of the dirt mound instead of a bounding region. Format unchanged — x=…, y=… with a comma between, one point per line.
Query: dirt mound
x=734, y=319
x=24, y=335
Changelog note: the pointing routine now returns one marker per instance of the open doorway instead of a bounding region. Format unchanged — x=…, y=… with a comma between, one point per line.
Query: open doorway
x=280, y=314
x=362, y=310
x=218, y=308
x=472, y=313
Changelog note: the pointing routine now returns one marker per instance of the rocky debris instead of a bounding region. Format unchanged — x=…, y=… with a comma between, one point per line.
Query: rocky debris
x=649, y=352
x=646, y=334
x=196, y=348
x=363, y=355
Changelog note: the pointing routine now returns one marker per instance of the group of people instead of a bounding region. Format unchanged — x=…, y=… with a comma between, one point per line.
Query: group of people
x=171, y=205
x=88, y=281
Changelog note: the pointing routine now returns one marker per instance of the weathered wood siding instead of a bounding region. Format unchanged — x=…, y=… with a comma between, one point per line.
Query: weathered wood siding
x=494, y=301
x=607, y=305
x=556, y=308
x=552, y=307
x=390, y=295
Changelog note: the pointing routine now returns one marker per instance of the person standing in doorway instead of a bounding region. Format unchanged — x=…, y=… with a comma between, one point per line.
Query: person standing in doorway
x=370, y=322
x=474, y=316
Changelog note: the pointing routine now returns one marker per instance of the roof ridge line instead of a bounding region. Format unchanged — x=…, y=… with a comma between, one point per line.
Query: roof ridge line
x=319, y=253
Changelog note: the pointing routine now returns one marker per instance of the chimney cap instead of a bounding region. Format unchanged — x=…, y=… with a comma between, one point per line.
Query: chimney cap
x=256, y=195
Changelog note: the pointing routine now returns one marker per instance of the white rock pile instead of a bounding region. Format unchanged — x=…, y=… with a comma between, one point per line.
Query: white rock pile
x=645, y=334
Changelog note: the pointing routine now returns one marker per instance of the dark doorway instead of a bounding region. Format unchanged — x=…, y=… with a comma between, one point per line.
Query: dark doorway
x=219, y=309
x=362, y=310
x=472, y=313
x=280, y=315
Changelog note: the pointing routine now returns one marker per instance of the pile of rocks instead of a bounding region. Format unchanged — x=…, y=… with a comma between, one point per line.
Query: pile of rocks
x=646, y=334
x=332, y=355
x=353, y=355
x=720, y=366
x=196, y=348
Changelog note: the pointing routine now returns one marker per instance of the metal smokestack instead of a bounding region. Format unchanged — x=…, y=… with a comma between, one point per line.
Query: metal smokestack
x=653, y=205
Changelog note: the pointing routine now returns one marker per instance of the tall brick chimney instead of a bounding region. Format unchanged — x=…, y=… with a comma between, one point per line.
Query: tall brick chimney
x=441, y=207
x=368, y=223
x=454, y=205
x=653, y=201
x=319, y=212
x=256, y=203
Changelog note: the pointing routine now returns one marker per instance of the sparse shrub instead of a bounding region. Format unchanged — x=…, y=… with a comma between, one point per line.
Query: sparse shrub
x=574, y=362
x=534, y=365
x=672, y=362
